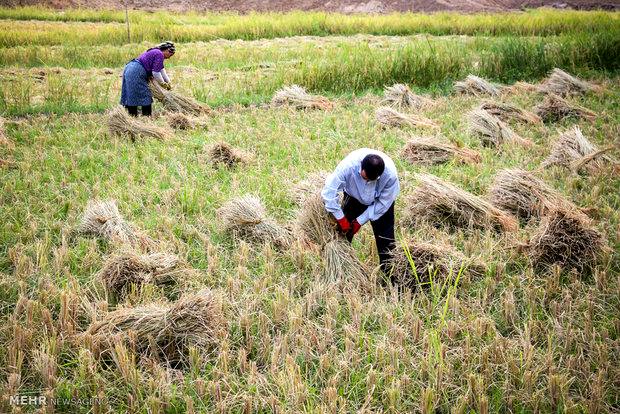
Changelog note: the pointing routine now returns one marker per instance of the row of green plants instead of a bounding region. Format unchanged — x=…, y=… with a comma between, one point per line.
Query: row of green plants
x=87, y=27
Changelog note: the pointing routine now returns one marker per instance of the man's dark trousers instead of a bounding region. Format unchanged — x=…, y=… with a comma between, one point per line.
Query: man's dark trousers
x=383, y=227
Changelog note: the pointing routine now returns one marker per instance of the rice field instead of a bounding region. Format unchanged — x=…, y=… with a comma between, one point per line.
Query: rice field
x=203, y=256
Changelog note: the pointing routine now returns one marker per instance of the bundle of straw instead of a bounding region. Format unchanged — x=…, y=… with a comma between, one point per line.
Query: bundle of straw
x=387, y=116
x=431, y=151
x=561, y=83
x=247, y=218
x=176, y=102
x=400, y=96
x=311, y=185
x=525, y=195
x=222, y=153
x=506, y=112
x=120, y=123
x=438, y=202
x=573, y=150
x=194, y=320
x=566, y=239
x=492, y=131
x=178, y=120
x=123, y=270
x=554, y=108
x=319, y=227
x=474, y=85
x=416, y=263
x=102, y=219
x=297, y=97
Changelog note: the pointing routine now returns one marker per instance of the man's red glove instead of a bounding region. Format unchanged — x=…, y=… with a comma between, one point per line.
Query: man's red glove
x=344, y=225
x=355, y=226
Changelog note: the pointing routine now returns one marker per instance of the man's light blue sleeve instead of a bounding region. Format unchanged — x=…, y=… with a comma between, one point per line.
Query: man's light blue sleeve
x=382, y=203
x=333, y=184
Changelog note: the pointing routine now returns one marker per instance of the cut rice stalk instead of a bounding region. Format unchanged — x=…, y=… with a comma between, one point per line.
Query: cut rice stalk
x=507, y=112
x=474, y=85
x=4, y=139
x=122, y=271
x=297, y=97
x=387, y=116
x=181, y=121
x=492, y=131
x=555, y=108
x=308, y=187
x=431, y=151
x=440, y=203
x=176, y=102
x=247, y=218
x=571, y=148
x=524, y=195
x=120, y=123
x=195, y=320
x=400, y=96
x=224, y=154
x=568, y=240
x=563, y=84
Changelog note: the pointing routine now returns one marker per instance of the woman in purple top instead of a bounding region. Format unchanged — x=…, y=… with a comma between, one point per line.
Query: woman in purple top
x=137, y=74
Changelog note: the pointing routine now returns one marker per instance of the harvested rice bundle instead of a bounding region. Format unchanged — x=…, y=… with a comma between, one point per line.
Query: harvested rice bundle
x=474, y=85
x=122, y=270
x=506, y=112
x=178, y=120
x=120, y=123
x=562, y=83
x=387, y=116
x=4, y=139
x=400, y=96
x=566, y=239
x=102, y=219
x=492, y=131
x=176, y=102
x=430, y=261
x=297, y=97
x=319, y=227
x=524, y=195
x=224, y=154
x=571, y=148
x=554, y=108
x=247, y=218
x=194, y=320
x=313, y=184
x=431, y=151
x=440, y=203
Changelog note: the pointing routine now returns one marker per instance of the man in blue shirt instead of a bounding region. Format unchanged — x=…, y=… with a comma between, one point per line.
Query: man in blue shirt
x=370, y=184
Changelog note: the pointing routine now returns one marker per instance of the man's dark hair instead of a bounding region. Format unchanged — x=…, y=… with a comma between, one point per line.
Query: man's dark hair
x=373, y=165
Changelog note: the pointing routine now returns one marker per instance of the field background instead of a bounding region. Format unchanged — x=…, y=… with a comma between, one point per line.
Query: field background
x=511, y=340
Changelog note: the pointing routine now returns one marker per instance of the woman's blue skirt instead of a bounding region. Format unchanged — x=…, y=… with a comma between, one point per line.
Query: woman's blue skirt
x=135, y=90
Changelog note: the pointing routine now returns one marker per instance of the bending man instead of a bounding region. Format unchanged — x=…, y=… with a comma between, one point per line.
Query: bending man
x=370, y=184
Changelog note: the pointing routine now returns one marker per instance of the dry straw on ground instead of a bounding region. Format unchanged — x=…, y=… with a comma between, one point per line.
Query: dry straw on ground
x=492, y=131
x=194, y=320
x=129, y=269
x=400, y=96
x=308, y=187
x=102, y=219
x=567, y=239
x=224, y=154
x=437, y=202
x=181, y=121
x=4, y=139
x=297, y=97
x=387, y=116
x=120, y=123
x=318, y=226
x=573, y=150
x=524, y=195
x=433, y=263
x=563, y=84
x=431, y=151
x=474, y=85
x=246, y=217
x=175, y=102
x=555, y=108
x=507, y=112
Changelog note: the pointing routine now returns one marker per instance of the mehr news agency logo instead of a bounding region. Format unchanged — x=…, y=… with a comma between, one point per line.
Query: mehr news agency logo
x=40, y=400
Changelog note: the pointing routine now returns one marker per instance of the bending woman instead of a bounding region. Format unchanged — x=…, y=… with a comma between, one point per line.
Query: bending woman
x=137, y=74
